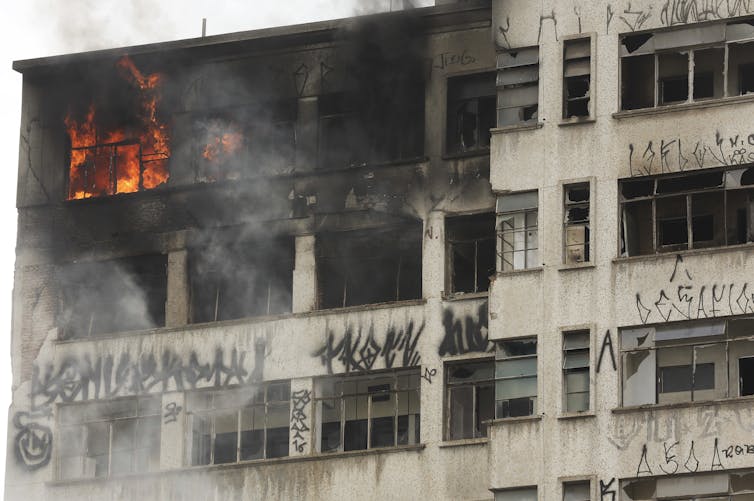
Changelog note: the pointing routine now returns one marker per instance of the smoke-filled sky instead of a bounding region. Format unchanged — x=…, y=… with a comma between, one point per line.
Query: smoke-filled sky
x=38, y=28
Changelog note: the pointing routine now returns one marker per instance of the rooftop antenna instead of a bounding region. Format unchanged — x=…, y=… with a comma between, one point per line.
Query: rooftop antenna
x=204, y=27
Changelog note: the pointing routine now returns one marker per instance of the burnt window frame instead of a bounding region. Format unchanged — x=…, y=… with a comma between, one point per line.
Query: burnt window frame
x=210, y=412
x=660, y=188
x=329, y=391
x=689, y=40
x=728, y=336
x=570, y=223
x=454, y=86
x=104, y=270
x=578, y=61
x=516, y=78
x=505, y=358
x=108, y=415
x=240, y=251
x=333, y=265
x=476, y=385
x=452, y=243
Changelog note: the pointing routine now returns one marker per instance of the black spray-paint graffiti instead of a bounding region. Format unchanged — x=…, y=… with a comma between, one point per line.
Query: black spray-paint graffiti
x=607, y=491
x=607, y=345
x=684, y=300
x=678, y=155
x=33, y=442
x=300, y=400
x=465, y=335
x=548, y=17
x=676, y=12
x=446, y=59
x=429, y=374
x=361, y=352
x=670, y=463
x=172, y=411
x=84, y=378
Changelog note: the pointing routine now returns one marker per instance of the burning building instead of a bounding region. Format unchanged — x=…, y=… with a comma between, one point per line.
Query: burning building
x=481, y=250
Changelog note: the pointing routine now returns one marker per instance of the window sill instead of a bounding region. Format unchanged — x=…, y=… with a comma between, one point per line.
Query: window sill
x=460, y=296
x=576, y=121
x=520, y=419
x=687, y=252
x=517, y=127
x=660, y=110
x=459, y=155
x=580, y=266
x=463, y=442
x=577, y=415
x=746, y=400
x=536, y=269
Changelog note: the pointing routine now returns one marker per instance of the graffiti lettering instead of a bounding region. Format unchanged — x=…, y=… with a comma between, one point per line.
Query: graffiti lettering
x=429, y=374
x=607, y=491
x=172, y=410
x=469, y=335
x=607, y=344
x=442, y=61
x=33, y=442
x=300, y=400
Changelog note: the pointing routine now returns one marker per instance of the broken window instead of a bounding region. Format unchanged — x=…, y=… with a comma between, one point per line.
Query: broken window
x=516, y=378
x=709, y=208
x=358, y=412
x=712, y=486
x=517, y=86
x=109, y=438
x=471, y=112
x=577, y=80
x=689, y=361
x=236, y=278
x=517, y=494
x=687, y=65
x=470, y=398
x=102, y=297
x=576, y=233
x=576, y=371
x=517, y=231
x=471, y=252
x=369, y=266
x=242, y=424
x=580, y=490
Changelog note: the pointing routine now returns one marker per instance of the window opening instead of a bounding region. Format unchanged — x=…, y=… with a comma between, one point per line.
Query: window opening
x=471, y=252
x=576, y=371
x=517, y=86
x=712, y=486
x=471, y=112
x=577, y=77
x=517, y=230
x=518, y=494
x=577, y=491
x=470, y=397
x=516, y=378
x=576, y=233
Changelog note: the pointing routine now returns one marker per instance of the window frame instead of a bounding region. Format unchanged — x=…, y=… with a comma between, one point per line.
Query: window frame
x=518, y=85
x=588, y=244
x=520, y=205
x=412, y=375
x=581, y=479
x=500, y=359
x=450, y=386
x=211, y=413
x=450, y=282
x=573, y=331
x=677, y=479
x=513, y=490
x=453, y=148
x=590, y=39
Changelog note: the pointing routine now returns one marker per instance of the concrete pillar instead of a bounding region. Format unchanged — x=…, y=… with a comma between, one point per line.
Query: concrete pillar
x=173, y=430
x=301, y=417
x=305, y=275
x=433, y=255
x=177, y=306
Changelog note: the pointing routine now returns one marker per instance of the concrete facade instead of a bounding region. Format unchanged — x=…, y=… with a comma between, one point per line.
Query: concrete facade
x=436, y=322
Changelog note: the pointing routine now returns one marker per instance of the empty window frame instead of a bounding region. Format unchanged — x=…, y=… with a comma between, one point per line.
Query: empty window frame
x=708, y=208
x=712, y=486
x=105, y=439
x=470, y=112
x=517, y=86
x=241, y=424
x=576, y=371
x=687, y=65
x=578, y=490
x=517, y=231
x=470, y=397
x=361, y=412
x=517, y=494
x=688, y=361
x=576, y=232
x=232, y=278
x=577, y=77
x=118, y=295
x=471, y=252
x=369, y=266
x=516, y=378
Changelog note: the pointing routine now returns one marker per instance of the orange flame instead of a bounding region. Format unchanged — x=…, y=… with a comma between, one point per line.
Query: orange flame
x=105, y=162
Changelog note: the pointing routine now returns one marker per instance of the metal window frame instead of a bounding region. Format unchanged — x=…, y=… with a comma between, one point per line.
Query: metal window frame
x=449, y=386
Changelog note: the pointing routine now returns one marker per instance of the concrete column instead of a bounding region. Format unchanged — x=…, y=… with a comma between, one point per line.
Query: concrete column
x=433, y=255
x=305, y=275
x=173, y=430
x=301, y=417
x=177, y=306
